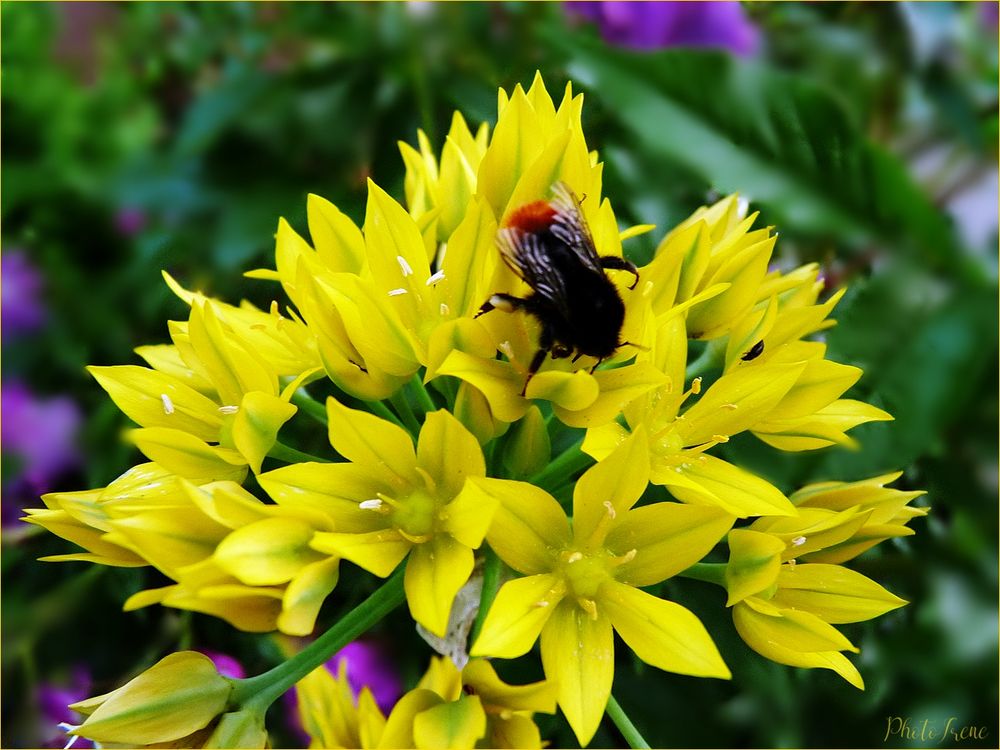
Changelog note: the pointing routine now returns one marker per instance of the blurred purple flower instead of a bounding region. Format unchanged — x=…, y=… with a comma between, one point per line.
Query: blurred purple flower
x=367, y=666
x=40, y=434
x=654, y=25
x=21, y=308
x=227, y=665
x=129, y=221
x=52, y=701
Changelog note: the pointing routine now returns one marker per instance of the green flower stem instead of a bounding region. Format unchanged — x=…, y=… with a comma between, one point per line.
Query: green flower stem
x=309, y=405
x=405, y=411
x=711, y=358
x=380, y=409
x=257, y=693
x=562, y=467
x=710, y=572
x=291, y=455
x=632, y=735
x=424, y=399
x=492, y=567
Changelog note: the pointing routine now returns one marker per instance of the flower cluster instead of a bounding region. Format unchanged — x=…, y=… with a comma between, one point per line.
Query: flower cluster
x=453, y=467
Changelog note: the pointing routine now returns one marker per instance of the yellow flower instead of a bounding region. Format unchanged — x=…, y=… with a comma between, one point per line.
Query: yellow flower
x=786, y=611
x=447, y=709
x=391, y=500
x=179, y=700
x=583, y=582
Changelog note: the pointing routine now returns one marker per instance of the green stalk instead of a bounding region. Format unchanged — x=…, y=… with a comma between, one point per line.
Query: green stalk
x=380, y=409
x=405, y=411
x=632, y=735
x=257, y=693
x=710, y=572
x=492, y=568
x=420, y=391
x=291, y=455
x=309, y=405
x=713, y=357
x=565, y=464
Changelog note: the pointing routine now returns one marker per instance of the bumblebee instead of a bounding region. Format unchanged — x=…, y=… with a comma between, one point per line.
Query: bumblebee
x=548, y=245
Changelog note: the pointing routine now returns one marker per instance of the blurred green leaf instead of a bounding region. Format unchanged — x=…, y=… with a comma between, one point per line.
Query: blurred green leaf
x=780, y=139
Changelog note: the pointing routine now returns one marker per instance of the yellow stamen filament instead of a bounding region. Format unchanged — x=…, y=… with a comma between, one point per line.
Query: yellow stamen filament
x=589, y=606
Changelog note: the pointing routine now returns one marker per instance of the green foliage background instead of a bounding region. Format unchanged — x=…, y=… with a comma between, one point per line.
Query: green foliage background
x=211, y=120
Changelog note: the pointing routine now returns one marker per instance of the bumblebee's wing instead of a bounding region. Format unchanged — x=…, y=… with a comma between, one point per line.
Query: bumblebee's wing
x=526, y=256
x=571, y=228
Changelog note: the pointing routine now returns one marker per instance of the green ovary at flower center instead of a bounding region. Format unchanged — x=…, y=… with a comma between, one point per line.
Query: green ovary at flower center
x=584, y=573
x=415, y=516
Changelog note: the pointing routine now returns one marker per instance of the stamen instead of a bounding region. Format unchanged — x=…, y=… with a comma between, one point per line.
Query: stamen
x=647, y=288
x=731, y=407
x=574, y=557
x=696, y=386
x=442, y=251
x=589, y=606
x=374, y=503
x=397, y=292
x=791, y=563
x=506, y=348
x=611, y=509
x=798, y=541
x=404, y=266
x=168, y=405
x=623, y=559
x=541, y=604
x=67, y=727
x=228, y=409
x=435, y=278
x=445, y=310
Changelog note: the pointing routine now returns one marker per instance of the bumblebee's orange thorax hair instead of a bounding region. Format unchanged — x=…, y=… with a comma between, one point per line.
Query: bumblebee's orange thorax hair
x=532, y=217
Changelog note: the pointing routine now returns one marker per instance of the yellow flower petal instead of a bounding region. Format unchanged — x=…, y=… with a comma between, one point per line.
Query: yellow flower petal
x=153, y=399
x=187, y=456
x=482, y=678
x=267, y=552
x=435, y=572
x=527, y=527
x=833, y=593
x=305, y=595
x=578, y=654
x=616, y=389
x=255, y=428
x=572, y=391
x=339, y=243
x=620, y=480
x=378, y=552
x=468, y=517
x=704, y=479
x=450, y=726
x=517, y=615
x=449, y=453
x=370, y=441
x=754, y=562
x=661, y=633
x=667, y=538
x=399, y=726
x=794, y=629
x=498, y=381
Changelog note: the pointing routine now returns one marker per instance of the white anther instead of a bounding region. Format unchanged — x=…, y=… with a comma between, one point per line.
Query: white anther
x=396, y=292
x=67, y=727
x=506, y=348
x=445, y=310
x=610, y=508
x=575, y=557
x=168, y=405
x=228, y=409
x=540, y=604
x=435, y=278
x=373, y=504
x=404, y=266
x=791, y=563
x=647, y=288
x=798, y=541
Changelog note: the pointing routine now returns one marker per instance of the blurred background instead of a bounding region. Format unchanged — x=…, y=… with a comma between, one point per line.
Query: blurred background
x=144, y=136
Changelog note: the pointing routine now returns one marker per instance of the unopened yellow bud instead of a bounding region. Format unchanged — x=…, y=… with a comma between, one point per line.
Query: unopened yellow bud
x=528, y=449
x=178, y=696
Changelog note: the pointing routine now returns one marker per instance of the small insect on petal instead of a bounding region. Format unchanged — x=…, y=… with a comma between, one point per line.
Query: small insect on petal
x=755, y=351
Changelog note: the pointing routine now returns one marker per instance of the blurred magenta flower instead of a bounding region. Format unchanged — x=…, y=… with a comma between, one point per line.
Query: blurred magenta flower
x=654, y=25
x=40, y=436
x=227, y=665
x=129, y=221
x=52, y=699
x=20, y=289
x=369, y=666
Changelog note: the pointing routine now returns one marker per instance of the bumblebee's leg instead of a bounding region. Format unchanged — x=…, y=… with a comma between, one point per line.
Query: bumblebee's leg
x=544, y=345
x=596, y=365
x=615, y=263
x=501, y=301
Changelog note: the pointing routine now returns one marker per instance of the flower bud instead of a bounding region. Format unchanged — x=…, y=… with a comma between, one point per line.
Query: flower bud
x=178, y=696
